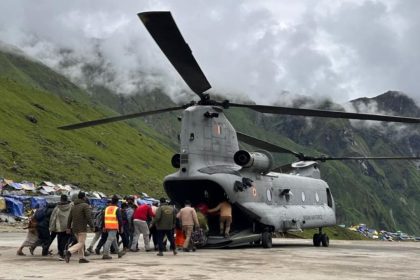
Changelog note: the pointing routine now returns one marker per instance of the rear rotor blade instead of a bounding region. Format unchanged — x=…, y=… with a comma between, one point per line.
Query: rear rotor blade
x=119, y=118
x=277, y=149
x=263, y=144
x=165, y=32
x=325, y=113
x=325, y=158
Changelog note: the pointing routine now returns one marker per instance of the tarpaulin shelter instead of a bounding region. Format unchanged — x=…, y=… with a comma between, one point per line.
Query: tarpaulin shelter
x=14, y=206
x=52, y=198
x=21, y=198
x=48, y=184
x=98, y=202
x=63, y=188
x=38, y=202
x=28, y=186
x=46, y=190
x=12, y=186
x=143, y=201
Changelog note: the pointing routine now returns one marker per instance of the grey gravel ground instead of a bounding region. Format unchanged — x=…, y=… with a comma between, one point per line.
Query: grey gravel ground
x=288, y=259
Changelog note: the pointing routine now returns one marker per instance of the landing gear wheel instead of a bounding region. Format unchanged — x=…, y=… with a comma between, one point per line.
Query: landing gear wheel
x=317, y=239
x=325, y=240
x=266, y=239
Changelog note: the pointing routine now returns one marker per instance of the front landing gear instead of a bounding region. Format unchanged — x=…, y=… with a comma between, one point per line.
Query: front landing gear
x=321, y=238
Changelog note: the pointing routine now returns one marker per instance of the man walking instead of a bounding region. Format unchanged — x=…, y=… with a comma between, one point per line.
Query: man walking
x=225, y=216
x=58, y=224
x=141, y=215
x=165, y=224
x=112, y=225
x=80, y=216
x=188, y=218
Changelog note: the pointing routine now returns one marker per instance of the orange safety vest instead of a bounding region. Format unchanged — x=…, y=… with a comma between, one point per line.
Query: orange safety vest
x=111, y=221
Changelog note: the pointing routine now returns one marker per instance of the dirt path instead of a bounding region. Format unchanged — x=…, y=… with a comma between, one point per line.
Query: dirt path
x=288, y=259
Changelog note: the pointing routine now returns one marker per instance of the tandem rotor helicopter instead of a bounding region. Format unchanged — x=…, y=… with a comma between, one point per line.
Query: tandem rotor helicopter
x=211, y=167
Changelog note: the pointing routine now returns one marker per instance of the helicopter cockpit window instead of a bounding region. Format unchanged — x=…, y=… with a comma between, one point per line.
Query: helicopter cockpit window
x=329, y=198
x=316, y=197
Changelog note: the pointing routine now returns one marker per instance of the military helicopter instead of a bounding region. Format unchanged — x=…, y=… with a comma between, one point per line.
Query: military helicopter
x=212, y=168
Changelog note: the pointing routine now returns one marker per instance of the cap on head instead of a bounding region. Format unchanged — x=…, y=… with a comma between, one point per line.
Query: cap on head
x=114, y=199
x=64, y=198
x=162, y=200
x=81, y=195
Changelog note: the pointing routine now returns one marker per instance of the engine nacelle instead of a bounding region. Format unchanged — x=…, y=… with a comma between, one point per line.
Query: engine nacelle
x=176, y=160
x=259, y=161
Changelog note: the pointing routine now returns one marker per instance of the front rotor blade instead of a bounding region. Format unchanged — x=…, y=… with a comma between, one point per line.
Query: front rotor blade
x=263, y=144
x=164, y=31
x=325, y=113
x=360, y=158
x=119, y=118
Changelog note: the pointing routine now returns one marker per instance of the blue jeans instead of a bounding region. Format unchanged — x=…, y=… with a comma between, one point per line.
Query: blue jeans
x=111, y=240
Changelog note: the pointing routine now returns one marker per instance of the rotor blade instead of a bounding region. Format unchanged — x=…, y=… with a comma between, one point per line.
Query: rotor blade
x=119, y=118
x=263, y=144
x=325, y=158
x=164, y=31
x=325, y=113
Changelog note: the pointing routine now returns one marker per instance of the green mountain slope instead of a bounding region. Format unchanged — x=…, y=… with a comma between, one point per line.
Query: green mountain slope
x=112, y=158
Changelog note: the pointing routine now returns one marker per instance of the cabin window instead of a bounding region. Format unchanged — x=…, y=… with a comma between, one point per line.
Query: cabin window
x=303, y=196
x=329, y=198
x=269, y=195
x=316, y=197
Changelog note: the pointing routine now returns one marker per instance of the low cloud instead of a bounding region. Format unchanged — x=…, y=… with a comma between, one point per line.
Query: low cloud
x=339, y=50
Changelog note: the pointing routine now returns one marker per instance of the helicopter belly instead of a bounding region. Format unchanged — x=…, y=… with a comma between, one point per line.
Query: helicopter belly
x=292, y=217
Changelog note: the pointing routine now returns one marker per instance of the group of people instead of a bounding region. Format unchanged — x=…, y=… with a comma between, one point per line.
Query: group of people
x=69, y=221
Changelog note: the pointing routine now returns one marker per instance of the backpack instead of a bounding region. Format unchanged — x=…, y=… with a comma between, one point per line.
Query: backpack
x=198, y=237
x=98, y=220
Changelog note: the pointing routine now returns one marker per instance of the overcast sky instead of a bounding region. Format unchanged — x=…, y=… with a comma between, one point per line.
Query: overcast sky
x=338, y=49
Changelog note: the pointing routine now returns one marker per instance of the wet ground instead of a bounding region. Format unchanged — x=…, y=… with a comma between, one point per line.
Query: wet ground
x=288, y=259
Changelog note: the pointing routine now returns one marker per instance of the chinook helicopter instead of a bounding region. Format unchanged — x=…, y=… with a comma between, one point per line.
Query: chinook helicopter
x=212, y=168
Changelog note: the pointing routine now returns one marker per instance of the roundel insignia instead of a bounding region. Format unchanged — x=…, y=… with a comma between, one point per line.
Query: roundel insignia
x=254, y=191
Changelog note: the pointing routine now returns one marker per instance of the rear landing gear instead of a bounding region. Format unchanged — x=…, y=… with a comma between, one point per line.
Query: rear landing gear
x=321, y=239
x=266, y=239
x=316, y=240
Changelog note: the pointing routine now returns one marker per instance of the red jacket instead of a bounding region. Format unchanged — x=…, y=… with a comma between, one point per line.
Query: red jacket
x=143, y=212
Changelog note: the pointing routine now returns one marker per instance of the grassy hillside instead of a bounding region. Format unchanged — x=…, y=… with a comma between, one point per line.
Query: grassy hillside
x=112, y=158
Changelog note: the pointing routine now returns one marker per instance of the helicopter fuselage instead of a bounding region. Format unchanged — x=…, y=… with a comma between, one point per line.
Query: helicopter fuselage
x=261, y=200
